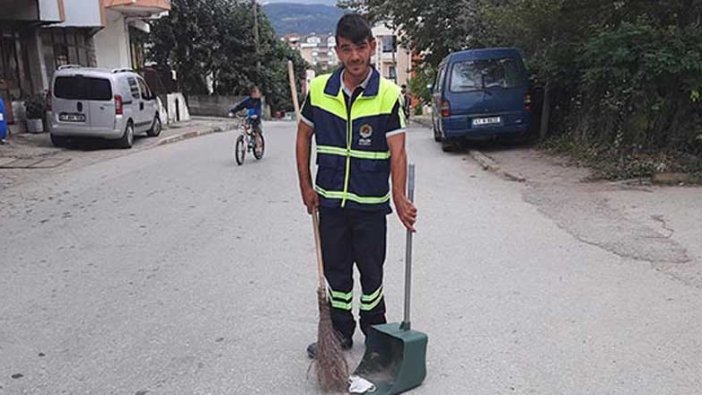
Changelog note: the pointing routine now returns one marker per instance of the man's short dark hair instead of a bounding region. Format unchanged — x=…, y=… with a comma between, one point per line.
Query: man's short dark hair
x=354, y=27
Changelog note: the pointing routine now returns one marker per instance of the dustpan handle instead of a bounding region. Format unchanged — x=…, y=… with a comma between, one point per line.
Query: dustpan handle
x=408, y=254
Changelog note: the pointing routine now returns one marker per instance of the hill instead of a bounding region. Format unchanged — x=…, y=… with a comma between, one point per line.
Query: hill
x=303, y=19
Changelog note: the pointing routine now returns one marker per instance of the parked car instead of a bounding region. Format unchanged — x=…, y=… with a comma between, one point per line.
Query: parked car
x=108, y=104
x=481, y=94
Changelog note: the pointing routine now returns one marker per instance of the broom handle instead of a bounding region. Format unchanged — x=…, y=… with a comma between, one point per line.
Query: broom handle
x=315, y=213
x=293, y=90
x=408, y=255
x=318, y=248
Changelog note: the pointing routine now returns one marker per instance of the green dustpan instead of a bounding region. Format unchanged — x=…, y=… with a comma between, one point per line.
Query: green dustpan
x=395, y=357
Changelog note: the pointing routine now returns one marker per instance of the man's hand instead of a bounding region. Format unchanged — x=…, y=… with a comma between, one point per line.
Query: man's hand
x=310, y=198
x=406, y=211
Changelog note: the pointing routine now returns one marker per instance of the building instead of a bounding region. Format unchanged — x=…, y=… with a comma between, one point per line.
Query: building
x=68, y=42
x=121, y=41
x=318, y=51
x=392, y=60
x=293, y=40
x=20, y=22
x=37, y=36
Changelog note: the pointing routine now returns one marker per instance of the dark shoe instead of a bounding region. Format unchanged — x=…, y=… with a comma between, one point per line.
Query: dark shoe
x=346, y=344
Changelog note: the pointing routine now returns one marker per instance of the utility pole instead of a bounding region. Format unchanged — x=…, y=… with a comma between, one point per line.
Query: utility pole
x=258, y=58
x=394, y=50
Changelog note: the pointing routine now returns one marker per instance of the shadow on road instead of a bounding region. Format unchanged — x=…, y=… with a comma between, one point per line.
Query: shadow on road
x=495, y=145
x=95, y=144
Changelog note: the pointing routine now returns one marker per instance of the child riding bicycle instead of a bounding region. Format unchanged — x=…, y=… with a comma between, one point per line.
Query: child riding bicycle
x=252, y=104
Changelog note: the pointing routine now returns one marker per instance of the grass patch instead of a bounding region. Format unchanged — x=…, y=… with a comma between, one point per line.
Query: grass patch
x=610, y=164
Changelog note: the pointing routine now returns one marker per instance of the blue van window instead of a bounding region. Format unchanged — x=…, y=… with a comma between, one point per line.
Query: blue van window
x=440, y=78
x=488, y=73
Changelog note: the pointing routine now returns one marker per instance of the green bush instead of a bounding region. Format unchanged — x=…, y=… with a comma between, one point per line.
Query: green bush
x=624, y=78
x=35, y=107
x=638, y=87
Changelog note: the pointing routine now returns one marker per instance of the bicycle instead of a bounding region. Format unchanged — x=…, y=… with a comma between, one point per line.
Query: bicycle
x=249, y=140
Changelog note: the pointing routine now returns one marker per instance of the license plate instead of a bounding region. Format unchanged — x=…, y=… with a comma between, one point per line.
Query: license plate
x=486, y=121
x=72, y=117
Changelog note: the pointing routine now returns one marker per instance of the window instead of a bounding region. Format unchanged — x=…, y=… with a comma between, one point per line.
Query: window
x=440, y=78
x=145, y=92
x=69, y=46
x=389, y=44
x=392, y=73
x=488, y=73
x=14, y=73
x=133, y=87
x=83, y=88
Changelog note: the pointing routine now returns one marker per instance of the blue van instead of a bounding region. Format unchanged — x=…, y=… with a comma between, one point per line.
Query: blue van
x=481, y=94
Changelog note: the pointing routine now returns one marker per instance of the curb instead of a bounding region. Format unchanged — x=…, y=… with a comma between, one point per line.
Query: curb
x=194, y=133
x=489, y=164
x=486, y=162
x=516, y=177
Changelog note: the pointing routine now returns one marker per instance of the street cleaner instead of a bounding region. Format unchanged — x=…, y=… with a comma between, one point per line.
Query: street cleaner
x=358, y=123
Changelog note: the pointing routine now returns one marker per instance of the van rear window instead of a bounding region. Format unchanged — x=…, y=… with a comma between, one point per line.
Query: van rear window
x=489, y=73
x=83, y=88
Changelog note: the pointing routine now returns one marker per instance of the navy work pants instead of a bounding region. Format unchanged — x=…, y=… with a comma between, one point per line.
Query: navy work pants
x=353, y=236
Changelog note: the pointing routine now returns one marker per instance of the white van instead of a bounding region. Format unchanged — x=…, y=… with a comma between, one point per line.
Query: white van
x=90, y=102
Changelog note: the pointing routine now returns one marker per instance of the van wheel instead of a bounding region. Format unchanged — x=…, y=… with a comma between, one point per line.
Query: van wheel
x=155, y=127
x=59, y=141
x=127, y=139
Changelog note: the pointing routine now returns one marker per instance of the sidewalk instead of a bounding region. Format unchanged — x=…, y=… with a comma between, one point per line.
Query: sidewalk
x=635, y=220
x=28, y=156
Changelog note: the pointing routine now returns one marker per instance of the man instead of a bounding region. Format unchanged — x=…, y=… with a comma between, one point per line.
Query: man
x=408, y=101
x=359, y=128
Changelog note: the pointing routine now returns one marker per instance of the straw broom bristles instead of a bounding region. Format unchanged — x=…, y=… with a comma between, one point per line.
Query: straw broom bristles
x=330, y=365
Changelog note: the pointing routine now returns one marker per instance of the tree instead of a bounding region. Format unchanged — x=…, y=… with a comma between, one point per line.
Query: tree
x=623, y=76
x=212, y=44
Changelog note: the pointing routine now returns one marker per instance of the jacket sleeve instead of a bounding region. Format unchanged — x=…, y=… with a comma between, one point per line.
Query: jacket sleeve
x=307, y=114
x=397, y=122
x=242, y=105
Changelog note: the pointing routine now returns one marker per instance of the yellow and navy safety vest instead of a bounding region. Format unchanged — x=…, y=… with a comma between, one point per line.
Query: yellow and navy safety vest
x=353, y=157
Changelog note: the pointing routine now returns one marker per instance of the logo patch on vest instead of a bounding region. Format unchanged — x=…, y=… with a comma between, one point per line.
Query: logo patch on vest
x=366, y=132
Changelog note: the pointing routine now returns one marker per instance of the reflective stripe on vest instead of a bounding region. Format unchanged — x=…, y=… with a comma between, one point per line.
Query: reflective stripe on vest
x=339, y=195
x=326, y=149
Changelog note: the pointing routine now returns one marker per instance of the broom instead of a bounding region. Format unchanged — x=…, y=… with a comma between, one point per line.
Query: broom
x=330, y=365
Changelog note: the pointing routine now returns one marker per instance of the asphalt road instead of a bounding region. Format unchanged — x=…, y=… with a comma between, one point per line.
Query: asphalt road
x=174, y=271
